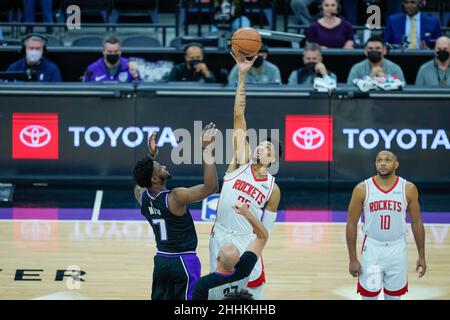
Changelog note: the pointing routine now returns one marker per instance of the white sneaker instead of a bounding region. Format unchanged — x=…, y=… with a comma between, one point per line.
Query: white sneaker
x=324, y=84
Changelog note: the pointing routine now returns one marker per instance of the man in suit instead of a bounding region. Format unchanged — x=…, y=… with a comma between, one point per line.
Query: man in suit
x=413, y=28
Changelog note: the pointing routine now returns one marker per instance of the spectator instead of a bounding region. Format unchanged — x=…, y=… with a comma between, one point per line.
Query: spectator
x=112, y=66
x=194, y=68
x=233, y=270
x=228, y=12
x=313, y=67
x=29, y=8
x=262, y=70
x=34, y=48
x=414, y=28
x=301, y=11
x=375, y=65
x=437, y=71
x=331, y=31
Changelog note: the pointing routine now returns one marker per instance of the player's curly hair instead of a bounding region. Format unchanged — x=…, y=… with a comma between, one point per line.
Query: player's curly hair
x=243, y=294
x=143, y=171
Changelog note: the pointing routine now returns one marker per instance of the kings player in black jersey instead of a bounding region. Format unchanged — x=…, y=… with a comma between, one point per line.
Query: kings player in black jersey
x=176, y=265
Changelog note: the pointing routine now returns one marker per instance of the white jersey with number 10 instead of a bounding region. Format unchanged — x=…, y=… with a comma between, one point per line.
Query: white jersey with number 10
x=385, y=210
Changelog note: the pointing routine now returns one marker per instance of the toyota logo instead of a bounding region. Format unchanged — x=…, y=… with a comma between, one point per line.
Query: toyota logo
x=35, y=136
x=308, y=138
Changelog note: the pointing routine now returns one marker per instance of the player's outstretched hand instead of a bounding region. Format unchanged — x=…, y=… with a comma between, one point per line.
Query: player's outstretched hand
x=152, y=145
x=354, y=268
x=242, y=63
x=209, y=134
x=241, y=208
x=421, y=267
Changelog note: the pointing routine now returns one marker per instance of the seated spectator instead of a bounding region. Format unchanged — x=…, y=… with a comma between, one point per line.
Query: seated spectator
x=262, y=70
x=112, y=66
x=413, y=29
x=437, y=71
x=313, y=67
x=331, y=31
x=375, y=65
x=194, y=68
x=34, y=48
x=228, y=12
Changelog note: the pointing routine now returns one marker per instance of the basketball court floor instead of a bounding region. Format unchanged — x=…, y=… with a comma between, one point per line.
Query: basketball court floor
x=47, y=231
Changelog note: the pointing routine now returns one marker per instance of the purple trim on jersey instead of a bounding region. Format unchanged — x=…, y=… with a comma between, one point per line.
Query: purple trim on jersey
x=225, y=275
x=98, y=72
x=193, y=268
x=167, y=201
x=157, y=194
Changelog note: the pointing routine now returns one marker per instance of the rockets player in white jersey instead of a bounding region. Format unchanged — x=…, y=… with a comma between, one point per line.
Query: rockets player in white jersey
x=248, y=182
x=384, y=198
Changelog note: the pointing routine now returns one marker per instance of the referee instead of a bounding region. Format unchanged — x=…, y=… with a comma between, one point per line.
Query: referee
x=233, y=271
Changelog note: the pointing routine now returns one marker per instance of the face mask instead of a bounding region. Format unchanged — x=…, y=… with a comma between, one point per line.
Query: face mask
x=34, y=56
x=112, y=58
x=442, y=55
x=258, y=62
x=193, y=63
x=374, y=56
x=310, y=67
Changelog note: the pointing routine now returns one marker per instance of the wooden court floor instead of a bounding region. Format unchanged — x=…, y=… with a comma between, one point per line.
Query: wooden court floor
x=303, y=260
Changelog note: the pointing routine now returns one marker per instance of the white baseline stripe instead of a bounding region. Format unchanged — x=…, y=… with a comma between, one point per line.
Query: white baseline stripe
x=97, y=205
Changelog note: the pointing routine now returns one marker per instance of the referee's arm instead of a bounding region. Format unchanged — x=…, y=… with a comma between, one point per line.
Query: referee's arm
x=257, y=245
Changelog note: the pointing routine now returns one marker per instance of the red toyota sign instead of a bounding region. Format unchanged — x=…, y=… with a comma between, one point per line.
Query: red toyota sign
x=35, y=136
x=309, y=138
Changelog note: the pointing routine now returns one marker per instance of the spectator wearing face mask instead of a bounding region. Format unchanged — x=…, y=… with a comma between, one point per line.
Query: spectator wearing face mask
x=193, y=68
x=112, y=66
x=34, y=47
x=313, y=67
x=437, y=71
x=262, y=70
x=376, y=65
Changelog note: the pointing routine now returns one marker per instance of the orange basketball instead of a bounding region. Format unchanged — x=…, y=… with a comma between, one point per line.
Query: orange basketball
x=246, y=41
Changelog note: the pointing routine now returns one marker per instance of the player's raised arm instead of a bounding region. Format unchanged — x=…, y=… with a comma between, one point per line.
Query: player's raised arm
x=412, y=196
x=180, y=197
x=241, y=152
x=257, y=245
x=354, y=212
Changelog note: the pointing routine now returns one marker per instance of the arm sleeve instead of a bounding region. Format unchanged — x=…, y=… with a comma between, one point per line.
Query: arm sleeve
x=420, y=81
x=388, y=32
x=349, y=35
x=293, y=78
x=312, y=34
x=352, y=75
x=56, y=75
x=246, y=263
x=173, y=75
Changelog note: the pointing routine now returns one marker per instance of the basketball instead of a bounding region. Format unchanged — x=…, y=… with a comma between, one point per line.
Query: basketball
x=246, y=41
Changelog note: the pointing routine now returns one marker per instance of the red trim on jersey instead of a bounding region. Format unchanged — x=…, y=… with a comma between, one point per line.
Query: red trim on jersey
x=397, y=293
x=257, y=179
x=260, y=280
x=237, y=174
x=364, y=242
x=366, y=293
x=385, y=191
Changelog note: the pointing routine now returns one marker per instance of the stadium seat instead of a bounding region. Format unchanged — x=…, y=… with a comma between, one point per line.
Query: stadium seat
x=53, y=41
x=141, y=41
x=135, y=8
x=91, y=8
x=88, y=41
